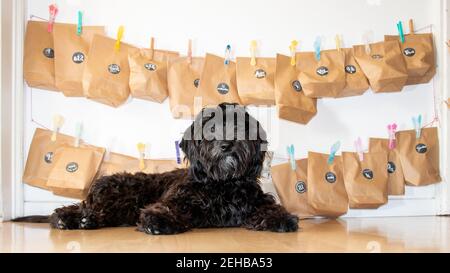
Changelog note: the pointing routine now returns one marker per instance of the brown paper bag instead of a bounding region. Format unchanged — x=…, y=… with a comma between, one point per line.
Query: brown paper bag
x=366, y=182
x=356, y=82
x=71, y=51
x=384, y=66
x=75, y=170
x=118, y=163
x=256, y=83
x=148, y=73
x=292, y=104
x=292, y=188
x=420, y=157
x=396, y=180
x=184, y=80
x=218, y=82
x=324, y=78
x=419, y=55
x=106, y=74
x=326, y=193
x=41, y=157
x=39, y=56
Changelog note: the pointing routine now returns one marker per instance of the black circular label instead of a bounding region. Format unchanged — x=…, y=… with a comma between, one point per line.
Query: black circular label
x=48, y=158
x=368, y=174
x=300, y=187
x=409, y=52
x=322, y=71
x=223, y=88
x=377, y=56
x=150, y=67
x=260, y=74
x=350, y=69
x=78, y=57
x=49, y=53
x=421, y=148
x=72, y=167
x=297, y=86
x=391, y=167
x=114, y=69
x=196, y=82
x=330, y=177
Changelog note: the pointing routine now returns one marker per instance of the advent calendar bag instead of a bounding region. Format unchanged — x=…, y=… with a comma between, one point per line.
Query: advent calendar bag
x=396, y=180
x=384, y=66
x=356, y=82
x=184, y=81
x=41, y=155
x=107, y=73
x=256, y=83
x=39, y=56
x=324, y=78
x=326, y=194
x=148, y=73
x=366, y=182
x=71, y=51
x=419, y=55
x=292, y=104
x=75, y=170
x=292, y=188
x=419, y=157
x=218, y=82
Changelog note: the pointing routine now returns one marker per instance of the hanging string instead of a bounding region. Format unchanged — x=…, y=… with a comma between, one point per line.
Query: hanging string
x=31, y=113
x=40, y=18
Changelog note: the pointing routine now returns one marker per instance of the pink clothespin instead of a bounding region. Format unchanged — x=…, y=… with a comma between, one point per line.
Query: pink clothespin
x=392, y=129
x=359, y=149
x=53, y=10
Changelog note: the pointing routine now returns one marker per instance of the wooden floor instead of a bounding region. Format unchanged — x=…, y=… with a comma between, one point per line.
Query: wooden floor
x=417, y=234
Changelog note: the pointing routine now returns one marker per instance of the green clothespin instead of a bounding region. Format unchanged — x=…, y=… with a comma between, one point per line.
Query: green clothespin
x=334, y=149
x=80, y=23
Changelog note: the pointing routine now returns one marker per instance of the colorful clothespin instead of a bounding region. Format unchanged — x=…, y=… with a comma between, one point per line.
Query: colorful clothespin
x=334, y=149
x=227, y=54
x=359, y=149
x=291, y=155
x=80, y=23
x=338, y=42
x=177, y=152
x=78, y=132
x=119, y=38
x=189, y=52
x=293, y=50
x=367, y=40
x=53, y=11
x=400, y=31
x=411, y=26
x=58, y=122
x=417, y=122
x=317, y=47
x=141, y=150
x=253, y=46
x=392, y=129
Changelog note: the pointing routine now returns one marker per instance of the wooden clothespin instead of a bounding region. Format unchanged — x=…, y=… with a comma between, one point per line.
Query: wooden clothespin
x=253, y=45
x=119, y=38
x=141, y=150
x=58, y=122
x=189, y=52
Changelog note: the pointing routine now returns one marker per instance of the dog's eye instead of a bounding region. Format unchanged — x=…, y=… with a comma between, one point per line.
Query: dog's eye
x=213, y=129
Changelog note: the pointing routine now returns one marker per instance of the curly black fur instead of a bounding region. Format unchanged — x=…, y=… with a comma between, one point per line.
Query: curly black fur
x=219, y=189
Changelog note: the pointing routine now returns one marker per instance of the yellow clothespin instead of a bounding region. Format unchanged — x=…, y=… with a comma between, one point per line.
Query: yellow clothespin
x=338, y=42
x=141, y=150
x=58, y=122
x=293, y=49
x=119, y=38
x=253, y=46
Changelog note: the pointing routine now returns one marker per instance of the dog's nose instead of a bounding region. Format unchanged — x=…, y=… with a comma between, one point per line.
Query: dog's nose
x=225, y=146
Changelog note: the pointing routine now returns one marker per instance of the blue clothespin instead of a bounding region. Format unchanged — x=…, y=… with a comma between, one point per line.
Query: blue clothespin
x=417, y=122
x=291, y=154
x=228, y=55
x=317, y=47
x=80, y=23
x=334, y=149
x=401, y=32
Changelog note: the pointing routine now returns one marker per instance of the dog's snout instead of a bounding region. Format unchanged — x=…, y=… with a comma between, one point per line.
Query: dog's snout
x=225, y=146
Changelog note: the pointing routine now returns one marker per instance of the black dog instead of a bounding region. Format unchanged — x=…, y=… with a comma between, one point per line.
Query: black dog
x=219, y=189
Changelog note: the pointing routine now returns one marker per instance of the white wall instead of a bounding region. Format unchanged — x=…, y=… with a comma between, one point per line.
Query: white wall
x=213, y=25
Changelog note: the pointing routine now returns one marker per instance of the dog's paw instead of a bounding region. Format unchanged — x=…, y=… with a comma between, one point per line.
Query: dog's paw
x=274, y=223
x=87, y=222
x=288, y=224
x=159, y=224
